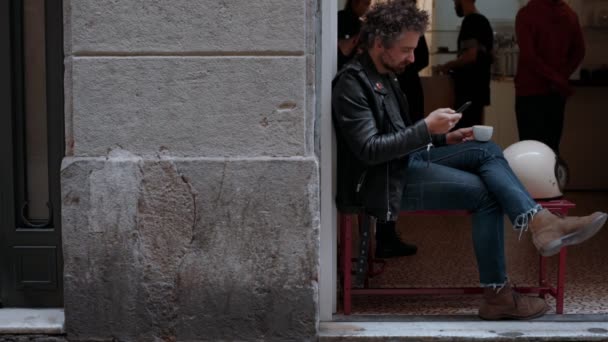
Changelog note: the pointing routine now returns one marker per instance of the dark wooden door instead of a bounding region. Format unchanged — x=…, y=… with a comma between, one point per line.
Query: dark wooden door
x=31, y=149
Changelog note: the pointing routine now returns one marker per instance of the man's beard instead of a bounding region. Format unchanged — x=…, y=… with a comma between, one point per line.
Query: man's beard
x=459, y=11
x=388, y=65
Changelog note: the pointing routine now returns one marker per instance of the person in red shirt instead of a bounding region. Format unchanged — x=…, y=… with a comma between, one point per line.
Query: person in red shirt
x=551, y=46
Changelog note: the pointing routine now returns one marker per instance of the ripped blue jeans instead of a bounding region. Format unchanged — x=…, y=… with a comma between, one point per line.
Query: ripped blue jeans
x=472, y=176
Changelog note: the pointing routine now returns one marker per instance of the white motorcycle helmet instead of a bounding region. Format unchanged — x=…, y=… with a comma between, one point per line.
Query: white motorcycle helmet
x=539, y=169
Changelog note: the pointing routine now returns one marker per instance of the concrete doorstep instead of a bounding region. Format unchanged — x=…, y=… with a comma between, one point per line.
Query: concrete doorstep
x=31, y=321
x=463, y=331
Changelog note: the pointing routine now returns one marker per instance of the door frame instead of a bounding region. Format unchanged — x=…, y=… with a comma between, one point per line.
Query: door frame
x=12, y=168
x=7, y=212
x=327, y=63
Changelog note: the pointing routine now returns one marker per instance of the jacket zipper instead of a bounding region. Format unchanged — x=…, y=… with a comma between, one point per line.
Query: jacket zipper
x=388, y=202
x=428, y=155
x=361, y=180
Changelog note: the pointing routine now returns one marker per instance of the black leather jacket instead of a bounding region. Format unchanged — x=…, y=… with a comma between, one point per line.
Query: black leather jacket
x=373, y=141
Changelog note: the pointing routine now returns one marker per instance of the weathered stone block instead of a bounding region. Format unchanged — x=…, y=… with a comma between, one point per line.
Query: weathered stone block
x=190, y=106
x=190, y=249
x=185, y=25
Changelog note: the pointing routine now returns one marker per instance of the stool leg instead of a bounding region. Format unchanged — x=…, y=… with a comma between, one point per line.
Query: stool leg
x=370, y=251
x=360, y=218
x=370, y=260
x=346, y=227
x=561, y=275
x=370, y=267
x=561, y=280
x=542, y=274
x=362, y=260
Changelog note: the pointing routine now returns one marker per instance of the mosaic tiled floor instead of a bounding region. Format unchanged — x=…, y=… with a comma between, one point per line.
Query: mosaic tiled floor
x=445, y=257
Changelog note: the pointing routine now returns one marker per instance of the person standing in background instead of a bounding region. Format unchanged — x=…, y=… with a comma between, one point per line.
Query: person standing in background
x=356, y=8
x=409, y=80
x=349, y=24
x=472, y=69
x=551, y=47
x=348, y=37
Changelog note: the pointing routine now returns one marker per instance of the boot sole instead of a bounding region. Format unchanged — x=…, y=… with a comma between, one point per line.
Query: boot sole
x=582, y=235
x=502, y=317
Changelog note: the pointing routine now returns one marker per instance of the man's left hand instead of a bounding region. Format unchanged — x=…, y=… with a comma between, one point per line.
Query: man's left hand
x=460, y=136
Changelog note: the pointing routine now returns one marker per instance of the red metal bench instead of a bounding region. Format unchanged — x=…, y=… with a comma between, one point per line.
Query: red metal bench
x=346, y=258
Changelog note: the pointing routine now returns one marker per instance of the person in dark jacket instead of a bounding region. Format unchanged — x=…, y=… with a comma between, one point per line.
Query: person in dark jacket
x=387, y=163
x=388, y=243
x=349, y=26
x=409, y=80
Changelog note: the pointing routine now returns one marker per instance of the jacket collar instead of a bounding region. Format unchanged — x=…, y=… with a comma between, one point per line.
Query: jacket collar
x=376, y=79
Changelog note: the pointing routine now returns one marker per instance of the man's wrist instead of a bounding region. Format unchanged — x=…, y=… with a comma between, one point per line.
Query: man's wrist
x=426, y=123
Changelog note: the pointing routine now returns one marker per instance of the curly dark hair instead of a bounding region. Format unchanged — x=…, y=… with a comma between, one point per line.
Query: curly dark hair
x=389, y=19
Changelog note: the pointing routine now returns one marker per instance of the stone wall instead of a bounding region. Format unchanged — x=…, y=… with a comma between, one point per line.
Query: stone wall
x=190, y=184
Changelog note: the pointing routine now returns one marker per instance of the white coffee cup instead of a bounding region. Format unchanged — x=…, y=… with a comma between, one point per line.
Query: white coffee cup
x=482, y=133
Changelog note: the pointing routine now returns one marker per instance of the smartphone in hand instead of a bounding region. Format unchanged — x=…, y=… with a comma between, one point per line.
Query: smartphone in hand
x=464, y=107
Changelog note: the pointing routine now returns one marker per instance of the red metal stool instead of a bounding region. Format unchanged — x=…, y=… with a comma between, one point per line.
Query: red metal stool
x=346, y=258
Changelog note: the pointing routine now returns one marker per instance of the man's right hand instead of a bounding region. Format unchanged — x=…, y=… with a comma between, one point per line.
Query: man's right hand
x=442, y=120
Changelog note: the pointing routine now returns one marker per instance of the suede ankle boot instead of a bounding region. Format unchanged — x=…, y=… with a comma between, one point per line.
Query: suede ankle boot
x=506, y=303
x=551, y=232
